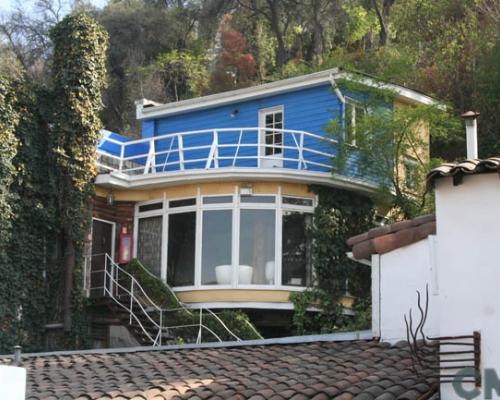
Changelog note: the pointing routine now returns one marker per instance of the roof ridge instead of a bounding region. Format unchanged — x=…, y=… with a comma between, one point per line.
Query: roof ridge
x=365, y=335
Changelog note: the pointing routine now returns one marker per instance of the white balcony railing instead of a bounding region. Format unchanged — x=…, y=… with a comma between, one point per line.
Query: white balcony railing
x=218, y=148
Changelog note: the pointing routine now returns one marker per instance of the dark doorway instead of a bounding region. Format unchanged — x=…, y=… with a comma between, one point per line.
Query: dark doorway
x=102, y=244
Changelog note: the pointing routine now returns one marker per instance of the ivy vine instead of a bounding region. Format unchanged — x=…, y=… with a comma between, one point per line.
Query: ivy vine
x=339, y=215
x=79, y=75
x=9, y=294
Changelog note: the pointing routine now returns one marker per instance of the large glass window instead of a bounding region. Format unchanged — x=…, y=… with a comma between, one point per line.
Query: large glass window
x=216, y=263
x=149, y=243
x=181, y=249
x=295, y=258
x=227, y=240
x=257, y=247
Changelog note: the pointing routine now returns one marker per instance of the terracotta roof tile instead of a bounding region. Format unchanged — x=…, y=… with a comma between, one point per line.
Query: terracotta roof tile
x=361, y=370
x=391, y=237
x=467, y=167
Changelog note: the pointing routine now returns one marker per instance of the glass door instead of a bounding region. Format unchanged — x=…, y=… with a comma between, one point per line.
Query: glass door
x=271, y=123
x=103, y=233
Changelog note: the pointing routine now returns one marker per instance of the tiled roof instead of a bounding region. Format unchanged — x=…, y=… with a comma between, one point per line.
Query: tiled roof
x=361, y=370
x=386, y=238
x=467, y=167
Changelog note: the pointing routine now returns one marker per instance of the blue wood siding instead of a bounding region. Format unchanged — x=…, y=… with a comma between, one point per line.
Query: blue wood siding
x=306, y=109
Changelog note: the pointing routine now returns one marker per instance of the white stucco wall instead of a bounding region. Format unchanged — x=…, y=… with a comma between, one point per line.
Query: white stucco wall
x=401, y=273
x=12, y=383
x=468, y=259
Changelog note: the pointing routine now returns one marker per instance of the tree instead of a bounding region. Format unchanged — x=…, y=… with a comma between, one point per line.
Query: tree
x=390, y=146
x=174, y=76
x=78, y=73
x=27, y=33
x=234, y=66
x=276, y=12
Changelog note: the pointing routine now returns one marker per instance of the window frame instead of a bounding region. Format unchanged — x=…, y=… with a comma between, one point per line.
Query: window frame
x=355, y=104
x=235, y=206
x=410, y=163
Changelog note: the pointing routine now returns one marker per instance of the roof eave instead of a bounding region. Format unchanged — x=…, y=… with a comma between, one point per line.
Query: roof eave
x=147, y=110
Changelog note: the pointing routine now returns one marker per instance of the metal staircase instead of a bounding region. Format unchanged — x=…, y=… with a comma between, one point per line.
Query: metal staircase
x=148, y=322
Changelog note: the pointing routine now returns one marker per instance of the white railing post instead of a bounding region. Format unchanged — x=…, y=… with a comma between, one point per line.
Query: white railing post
x=131, y=302
x=216, y=153
x=161, y=325
x=237, y=148
x=150, y=162
x=112, y=277
x=212, y=153
x=301, y=150
x=180, y=141
x=198, y=340
x=105, y=273
x=122, y=155
x=259, y=147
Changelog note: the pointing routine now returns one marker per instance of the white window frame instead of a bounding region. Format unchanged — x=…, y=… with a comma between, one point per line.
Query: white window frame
x=350, y=102
x=409, y=161
x=235, y=206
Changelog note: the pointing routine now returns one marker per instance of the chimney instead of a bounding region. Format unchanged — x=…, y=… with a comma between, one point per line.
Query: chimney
x=470, y=118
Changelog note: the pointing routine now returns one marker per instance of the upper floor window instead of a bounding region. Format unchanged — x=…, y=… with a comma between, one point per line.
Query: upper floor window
x=410, y=173
x=271, y=120
x=354, y=113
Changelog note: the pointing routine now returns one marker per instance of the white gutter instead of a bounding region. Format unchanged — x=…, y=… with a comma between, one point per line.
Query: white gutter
x=364, y=261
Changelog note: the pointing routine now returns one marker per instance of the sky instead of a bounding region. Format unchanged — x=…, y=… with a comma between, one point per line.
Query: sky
x=8, y=5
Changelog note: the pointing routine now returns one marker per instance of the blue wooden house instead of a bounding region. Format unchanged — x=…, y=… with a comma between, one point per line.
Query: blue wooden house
x=215, y=192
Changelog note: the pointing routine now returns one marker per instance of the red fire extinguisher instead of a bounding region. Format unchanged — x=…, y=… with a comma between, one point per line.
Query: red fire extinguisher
x=125, y=246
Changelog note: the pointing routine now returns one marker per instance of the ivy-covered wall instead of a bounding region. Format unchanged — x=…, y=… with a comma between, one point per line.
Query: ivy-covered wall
x=9, y=294
x=339, y=215
x=48, y=137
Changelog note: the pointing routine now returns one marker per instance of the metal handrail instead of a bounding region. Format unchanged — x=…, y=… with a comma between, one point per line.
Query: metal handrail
x=146, y=160
x=113, y=288
x=189, y=310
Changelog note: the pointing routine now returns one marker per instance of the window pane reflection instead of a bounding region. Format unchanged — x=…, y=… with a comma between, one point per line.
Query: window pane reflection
x=149, y=243
x=181, y=247
x=257, y=261
x=296, y=258
x=216, y=247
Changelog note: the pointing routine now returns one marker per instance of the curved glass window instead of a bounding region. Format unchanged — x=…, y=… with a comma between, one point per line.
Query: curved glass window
x=226, y=241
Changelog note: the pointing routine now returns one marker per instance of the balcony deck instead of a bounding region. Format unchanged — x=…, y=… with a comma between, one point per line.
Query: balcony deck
x=228, y=153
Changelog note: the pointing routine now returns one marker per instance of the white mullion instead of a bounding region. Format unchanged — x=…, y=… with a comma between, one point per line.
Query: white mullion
x=278, y=240
x=164, y=241
x=198, y=240
x=235, y=238
x=136, y=229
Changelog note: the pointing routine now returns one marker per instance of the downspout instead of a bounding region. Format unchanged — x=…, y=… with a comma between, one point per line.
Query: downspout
x=341, y=97
x=374, y=264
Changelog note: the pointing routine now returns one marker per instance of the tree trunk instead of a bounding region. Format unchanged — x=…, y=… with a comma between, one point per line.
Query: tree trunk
x=69, y=267
x=383, y=18
x=276, y=28
x=318, y=41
